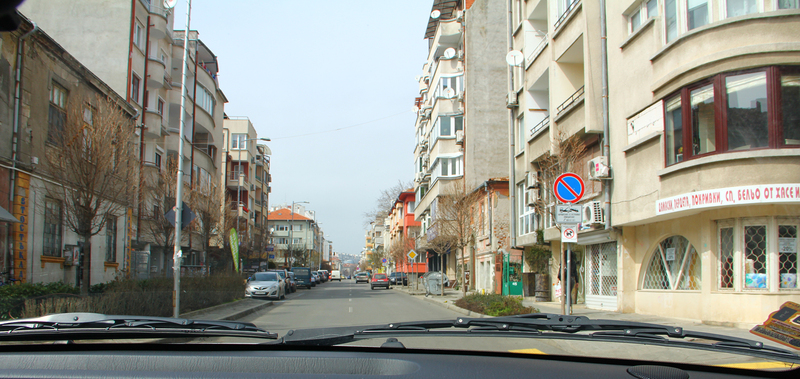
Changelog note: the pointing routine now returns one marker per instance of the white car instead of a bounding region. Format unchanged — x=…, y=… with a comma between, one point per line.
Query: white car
x=265, y=284
x=336, y=275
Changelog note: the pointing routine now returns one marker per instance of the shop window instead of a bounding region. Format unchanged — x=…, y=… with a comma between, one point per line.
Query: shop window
x=760, y=246
x=732, y=112
x=675, y=265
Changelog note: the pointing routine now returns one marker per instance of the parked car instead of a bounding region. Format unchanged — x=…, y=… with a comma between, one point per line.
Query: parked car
x=379, y=280
x=317, y=277
x=336, y=275
x=362, y=277
x=398, y=278
x=265, y=284
x=292, y=281
x=284, y=274
x=326, y=276
x=303, y=277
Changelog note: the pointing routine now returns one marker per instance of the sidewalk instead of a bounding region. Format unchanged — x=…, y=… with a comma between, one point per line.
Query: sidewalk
x=450, y=297
x=229, y=311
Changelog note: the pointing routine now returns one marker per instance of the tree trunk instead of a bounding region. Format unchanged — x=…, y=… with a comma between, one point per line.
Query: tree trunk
x=87, y=265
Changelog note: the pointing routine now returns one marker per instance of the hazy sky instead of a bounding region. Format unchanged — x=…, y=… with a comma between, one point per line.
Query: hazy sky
x=332, y=84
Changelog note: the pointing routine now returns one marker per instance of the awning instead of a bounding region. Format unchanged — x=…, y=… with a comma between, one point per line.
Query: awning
x=7, y=217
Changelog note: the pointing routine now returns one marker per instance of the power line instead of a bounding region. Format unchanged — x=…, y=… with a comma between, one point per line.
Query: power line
x=342, y=128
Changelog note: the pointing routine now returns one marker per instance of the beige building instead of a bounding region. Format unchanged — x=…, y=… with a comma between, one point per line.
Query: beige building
x=244, y=164
x=703, y=141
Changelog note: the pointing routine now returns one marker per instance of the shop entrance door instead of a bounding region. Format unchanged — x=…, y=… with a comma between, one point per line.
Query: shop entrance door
x=601, y=276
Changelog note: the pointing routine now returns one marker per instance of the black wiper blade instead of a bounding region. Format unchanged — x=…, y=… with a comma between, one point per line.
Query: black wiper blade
x=98, y=326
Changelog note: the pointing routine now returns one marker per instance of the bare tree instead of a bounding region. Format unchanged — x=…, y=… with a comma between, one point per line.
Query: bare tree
x=386, y=200
x=454, y=216
x=205, y=202
x=90, y=153
x=568, y=151
x=160, y=186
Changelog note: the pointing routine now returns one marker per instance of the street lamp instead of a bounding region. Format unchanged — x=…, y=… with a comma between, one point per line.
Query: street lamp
x=291, y=224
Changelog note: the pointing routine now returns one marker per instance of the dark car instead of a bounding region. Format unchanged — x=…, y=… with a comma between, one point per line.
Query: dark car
x=292, y=281
x=303, y=276
x=284, y=274
x=398, y=278
x=326, y=276
x=362, y=277
x=379, y=280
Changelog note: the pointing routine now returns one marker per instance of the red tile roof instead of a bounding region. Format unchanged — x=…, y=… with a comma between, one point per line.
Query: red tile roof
x=286, y=215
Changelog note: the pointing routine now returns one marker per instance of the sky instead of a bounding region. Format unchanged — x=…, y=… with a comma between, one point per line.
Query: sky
x=331, y=83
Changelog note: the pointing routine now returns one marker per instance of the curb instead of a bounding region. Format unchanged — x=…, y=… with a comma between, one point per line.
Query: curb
x=232, y=316
x=449, y=306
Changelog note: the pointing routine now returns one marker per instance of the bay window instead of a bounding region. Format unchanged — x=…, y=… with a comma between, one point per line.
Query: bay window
x=733, y=112
x=447, y=167
x=697, y=13
x=735, y=8
x=446, y=126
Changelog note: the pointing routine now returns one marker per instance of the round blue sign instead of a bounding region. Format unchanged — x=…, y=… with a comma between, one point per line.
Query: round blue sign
x=568, y=188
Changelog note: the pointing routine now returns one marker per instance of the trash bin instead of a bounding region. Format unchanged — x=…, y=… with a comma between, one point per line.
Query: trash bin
x=433, y=283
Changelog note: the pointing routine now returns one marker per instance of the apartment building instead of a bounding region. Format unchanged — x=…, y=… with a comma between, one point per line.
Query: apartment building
x=135, y=50
x=703, y=150
x=461, y=132
x=261, y=204
x=294, y=234
x=44, y=88
x=401, y=233
x=240, y=174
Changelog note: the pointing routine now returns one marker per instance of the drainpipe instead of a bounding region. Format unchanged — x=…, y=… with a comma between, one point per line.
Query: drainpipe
x=512, y=177
x=604, y=81
x=16, y=122
x=194, y=124
x=141, y=130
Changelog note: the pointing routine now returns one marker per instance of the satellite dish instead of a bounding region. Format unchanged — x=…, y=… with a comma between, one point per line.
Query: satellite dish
x=514, y=58
x=435, y=14
x=449, y=53
x=449, y=93
x=170, y=3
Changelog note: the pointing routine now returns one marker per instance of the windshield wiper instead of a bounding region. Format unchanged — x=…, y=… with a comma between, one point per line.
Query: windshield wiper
x=86, y=326
x=554, y=326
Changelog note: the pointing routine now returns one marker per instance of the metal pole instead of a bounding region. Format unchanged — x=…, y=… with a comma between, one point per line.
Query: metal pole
x=604, y=80
x=569, y=282
x=291, y=232
x=176, y=256
x=562, y=279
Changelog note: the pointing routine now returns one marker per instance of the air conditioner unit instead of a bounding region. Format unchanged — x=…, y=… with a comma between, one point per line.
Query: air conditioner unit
x=511, y=100
x=460, y=97
x=531, y=197
x=532, y=180
x=459, y=136
x=419, y=177
x=599, y=169
x=460, y=55
x=593, y=213
x=427, y=114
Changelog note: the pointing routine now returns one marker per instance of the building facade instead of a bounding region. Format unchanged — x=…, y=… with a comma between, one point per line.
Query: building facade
x=294, y=236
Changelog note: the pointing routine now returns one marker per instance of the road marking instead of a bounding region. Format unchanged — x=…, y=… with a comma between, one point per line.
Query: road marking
x=528, y=351
x=350, y=310
x=349, y=299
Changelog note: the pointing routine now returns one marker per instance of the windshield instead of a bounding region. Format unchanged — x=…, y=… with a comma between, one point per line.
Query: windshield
x=432, y=159
x=265, y=277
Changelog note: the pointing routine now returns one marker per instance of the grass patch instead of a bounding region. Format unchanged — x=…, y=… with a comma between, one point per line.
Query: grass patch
x=495, y=305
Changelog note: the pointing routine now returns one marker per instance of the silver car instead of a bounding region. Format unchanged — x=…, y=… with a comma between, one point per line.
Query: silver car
x=265, y=284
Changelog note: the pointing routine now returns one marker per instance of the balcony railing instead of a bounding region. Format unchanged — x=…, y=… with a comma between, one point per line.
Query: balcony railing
x=570, y=100
x=234, y=175
x=538, y=49
x=567, y=11
x=541, y=125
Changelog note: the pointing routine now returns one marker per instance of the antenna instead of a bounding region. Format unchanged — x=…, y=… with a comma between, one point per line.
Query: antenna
x=170, y=3
x=435, y=14
x=449, y=93
x=449, y=53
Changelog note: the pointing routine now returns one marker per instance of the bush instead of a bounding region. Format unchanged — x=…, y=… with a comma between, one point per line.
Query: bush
x=12, y=297
x=151, y=297
x=495, y=305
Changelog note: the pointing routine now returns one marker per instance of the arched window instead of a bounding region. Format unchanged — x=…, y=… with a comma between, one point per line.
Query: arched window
x=674, y=265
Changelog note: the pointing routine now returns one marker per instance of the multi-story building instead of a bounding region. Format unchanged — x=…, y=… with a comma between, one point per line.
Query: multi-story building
x=294, y=236
x=135, y=51
x=240, y=175
x=374, y=246
x=461, y=133
x=261, y=205
x=401, y=233
x=703, y=144
x=46, y=88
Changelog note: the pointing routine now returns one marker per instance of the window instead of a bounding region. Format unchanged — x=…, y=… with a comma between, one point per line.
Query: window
x=158, y=161
x=519, y=9
x=57, y=115
x=788, y=4
x=731, y=112
x=135, y=88
x=160, y=106
x=674, y=265
x=753, y=251
x=283, y=241
x=297, y=241
x=138, y=34
x=652, y=8
x=410, y=207
x=297, y=227
x=446, y=126
x=636, y=21
x=239, y=141
x=641, y=13
x=527, y=214
x=205, y=100
x=735, y=8
x=111, y=239
x=521, y=135
x=447, y=167
x=454, y=82
x=696, y=13
x=671, y=19
x=52, y=228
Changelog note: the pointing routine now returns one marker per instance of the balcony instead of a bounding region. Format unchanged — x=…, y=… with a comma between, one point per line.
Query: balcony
x=153, y=121
x=156, y=69
x=160, y=28
x=572, y=100
x=448, y=34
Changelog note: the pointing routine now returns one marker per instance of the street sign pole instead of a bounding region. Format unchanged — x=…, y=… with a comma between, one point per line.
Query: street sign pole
x=568, y=188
